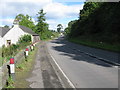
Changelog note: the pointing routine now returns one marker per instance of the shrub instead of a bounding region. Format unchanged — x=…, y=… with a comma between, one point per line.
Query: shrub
x=9, y=51
x=25, y=38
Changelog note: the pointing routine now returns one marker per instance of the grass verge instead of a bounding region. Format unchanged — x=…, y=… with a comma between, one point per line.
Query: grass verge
x=100, y=45
x=10, y=83
x=11, y=51
x=22, y=71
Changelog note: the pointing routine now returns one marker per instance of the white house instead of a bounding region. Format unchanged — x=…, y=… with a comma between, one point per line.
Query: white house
x=3, y=31
x=11, y=36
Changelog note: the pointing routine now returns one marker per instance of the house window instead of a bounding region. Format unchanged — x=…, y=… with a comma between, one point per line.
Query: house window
x=8, y=42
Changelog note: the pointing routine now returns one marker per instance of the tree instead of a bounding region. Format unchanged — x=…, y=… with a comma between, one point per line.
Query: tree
x=59, y=27
x=6, y=26
x=42, y=26
x=89, y=8
x=68, y=30
x=25, y=20
x=97, y=22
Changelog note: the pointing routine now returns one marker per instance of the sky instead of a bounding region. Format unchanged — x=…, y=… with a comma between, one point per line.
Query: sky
x=57, y=11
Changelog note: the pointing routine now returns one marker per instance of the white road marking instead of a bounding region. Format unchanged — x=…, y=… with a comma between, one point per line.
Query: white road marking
x=71, y=84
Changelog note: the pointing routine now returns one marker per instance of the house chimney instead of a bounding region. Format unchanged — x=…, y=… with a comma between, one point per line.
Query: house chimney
x=16, y=23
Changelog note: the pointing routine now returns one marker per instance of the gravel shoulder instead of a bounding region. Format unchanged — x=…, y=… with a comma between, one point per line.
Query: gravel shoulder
x=43, y=74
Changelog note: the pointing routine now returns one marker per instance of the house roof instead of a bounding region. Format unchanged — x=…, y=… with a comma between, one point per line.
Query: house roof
x=27, y=30
x=3, y=31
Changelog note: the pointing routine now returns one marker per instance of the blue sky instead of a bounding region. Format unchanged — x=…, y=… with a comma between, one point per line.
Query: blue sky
x=57, y=11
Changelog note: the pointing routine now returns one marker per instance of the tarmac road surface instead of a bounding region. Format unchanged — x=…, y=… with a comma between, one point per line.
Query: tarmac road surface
x=83, y=70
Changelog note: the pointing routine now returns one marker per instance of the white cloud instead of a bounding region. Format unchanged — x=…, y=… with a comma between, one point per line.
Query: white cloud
x=55, y=12
x=29, y=1
x=59, y=10
x=52, y=24
x=6, y=21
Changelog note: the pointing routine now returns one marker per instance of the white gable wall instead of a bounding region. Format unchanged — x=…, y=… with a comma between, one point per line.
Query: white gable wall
x=14, y=34
x=1, y=41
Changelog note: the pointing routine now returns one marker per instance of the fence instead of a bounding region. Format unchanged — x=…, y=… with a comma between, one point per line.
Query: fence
x=4, y=71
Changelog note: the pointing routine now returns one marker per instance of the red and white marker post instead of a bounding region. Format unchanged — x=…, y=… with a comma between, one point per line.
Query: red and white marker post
x=26, y=51
x=32, y=47
x=12, y=68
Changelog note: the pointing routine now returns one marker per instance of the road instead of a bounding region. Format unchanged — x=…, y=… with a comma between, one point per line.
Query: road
x=43, y=75
x=83, y=70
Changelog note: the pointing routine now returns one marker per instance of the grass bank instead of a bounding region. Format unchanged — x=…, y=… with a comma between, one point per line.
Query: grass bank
x=23, y=70
x=7, y=52
x=100, y=45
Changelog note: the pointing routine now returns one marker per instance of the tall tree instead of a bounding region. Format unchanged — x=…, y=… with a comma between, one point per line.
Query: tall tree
x=59, y=27
x=98, y=22
x=68, y=30
x=89, y=8
x=42, y=26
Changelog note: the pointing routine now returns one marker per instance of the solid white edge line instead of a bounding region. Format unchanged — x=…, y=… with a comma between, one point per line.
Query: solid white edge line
x=71, y=84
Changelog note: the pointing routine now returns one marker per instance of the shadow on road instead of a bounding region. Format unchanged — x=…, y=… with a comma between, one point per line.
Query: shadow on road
x=69, y=50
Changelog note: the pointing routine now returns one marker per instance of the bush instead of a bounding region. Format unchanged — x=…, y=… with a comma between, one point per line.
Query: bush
x=12, y=49
x=9, y=51
x=46, y=35
x=25, y=38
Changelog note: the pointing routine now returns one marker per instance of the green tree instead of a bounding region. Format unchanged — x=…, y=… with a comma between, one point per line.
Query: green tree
x=68, y=30
x=88, y=8
x=59, y=27
x=25, y=20
x=6, y=26
x=42, y=26
x=97, y=22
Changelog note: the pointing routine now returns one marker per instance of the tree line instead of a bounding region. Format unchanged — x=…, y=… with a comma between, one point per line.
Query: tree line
x=97, y=22
x=41, y=27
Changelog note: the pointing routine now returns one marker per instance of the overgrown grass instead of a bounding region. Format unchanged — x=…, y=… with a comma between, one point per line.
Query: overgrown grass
x=10, y=83
x=25, y=62
x=11, y=51
x=23, y=70
x=101, y=45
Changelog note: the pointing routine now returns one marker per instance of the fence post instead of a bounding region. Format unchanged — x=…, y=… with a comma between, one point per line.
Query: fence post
x=26, y=51
x=12, y=68
x=32, y=47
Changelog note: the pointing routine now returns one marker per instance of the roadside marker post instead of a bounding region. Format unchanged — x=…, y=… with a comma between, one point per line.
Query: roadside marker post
x=26, y=51
x=12, y=68
x=32, y=47
x=34, y=44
